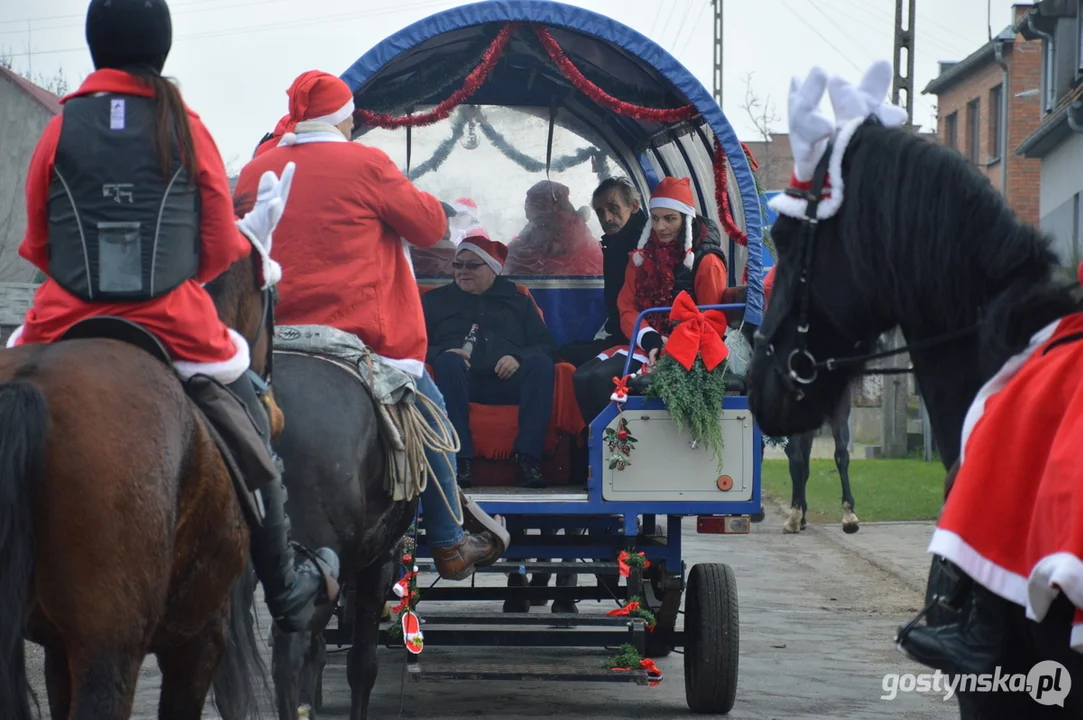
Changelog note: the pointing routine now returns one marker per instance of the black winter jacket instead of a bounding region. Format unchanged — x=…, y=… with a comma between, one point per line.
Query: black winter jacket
x=508, y=324
x=615, y=249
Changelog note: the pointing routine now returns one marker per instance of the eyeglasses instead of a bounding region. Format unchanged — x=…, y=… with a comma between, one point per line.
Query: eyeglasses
x=469, y=266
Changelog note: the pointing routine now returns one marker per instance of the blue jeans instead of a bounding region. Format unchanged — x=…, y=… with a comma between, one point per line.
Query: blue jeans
x=441, y=528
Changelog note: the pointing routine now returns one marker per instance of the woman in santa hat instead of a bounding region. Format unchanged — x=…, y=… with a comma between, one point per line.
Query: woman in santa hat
x=127, y=126
x=678, y=250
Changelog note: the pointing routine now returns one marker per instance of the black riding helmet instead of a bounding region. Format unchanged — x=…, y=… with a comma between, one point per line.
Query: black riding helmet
x=129, y=33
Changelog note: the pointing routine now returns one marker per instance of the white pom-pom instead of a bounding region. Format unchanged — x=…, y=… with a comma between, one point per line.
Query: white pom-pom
x=288, y=139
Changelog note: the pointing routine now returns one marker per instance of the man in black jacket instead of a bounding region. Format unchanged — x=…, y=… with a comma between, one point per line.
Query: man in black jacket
x=489, y=345
x=616, y=203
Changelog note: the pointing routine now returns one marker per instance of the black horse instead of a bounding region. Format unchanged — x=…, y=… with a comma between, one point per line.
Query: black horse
x=334, y=472
x=922, y=242
x=799, y=453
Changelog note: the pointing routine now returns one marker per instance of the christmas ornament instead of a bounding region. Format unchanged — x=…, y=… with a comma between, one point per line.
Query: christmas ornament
x=411, y=631
x=620, y=443
x=626, y=561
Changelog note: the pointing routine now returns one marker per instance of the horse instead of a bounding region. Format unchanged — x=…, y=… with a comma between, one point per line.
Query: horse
x=120, y=531
x=799, y=453
x=334, y=466
x=922, y=242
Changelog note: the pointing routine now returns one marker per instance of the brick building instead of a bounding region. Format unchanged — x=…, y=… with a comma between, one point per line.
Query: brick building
x=1056, y=144
x=775, y=159
x=988, y=104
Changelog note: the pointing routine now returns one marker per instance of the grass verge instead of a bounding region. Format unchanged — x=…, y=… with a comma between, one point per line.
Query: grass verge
x=883, y=490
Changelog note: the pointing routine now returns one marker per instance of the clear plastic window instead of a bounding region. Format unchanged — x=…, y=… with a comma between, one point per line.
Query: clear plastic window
x=120, y=267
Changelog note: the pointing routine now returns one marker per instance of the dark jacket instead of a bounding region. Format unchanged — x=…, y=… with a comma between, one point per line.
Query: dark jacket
x=615, y=249
x=508, y=324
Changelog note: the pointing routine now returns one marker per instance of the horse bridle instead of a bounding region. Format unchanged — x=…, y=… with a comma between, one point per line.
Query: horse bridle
x=801, y=368
x=262, y=383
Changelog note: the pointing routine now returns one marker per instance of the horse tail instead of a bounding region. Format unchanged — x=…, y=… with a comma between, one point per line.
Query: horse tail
x=24, y=430
x=242, y=666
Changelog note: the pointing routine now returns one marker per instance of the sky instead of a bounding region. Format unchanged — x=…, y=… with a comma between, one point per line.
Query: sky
x=234, y=59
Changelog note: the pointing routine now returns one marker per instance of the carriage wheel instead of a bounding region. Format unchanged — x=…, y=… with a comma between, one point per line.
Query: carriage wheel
x=712, y=640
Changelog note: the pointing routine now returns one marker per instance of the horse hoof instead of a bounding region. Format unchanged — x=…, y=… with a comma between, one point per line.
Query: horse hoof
x=850, y=528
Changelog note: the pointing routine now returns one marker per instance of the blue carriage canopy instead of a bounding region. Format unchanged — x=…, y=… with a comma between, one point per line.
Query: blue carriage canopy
x=571, y=76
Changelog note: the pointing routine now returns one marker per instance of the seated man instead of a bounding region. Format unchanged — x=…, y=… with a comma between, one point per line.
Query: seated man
x=616, y=203
x=488, y=344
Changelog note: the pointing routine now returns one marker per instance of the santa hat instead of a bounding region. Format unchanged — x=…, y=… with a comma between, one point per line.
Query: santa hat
x=318, y=97
x=492, y=252
x=466, y=220
x=674, y=194
x=810, y=131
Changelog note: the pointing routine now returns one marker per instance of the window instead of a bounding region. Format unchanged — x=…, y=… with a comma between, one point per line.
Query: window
x=973, y=130
x=996, y=107
x=951, y=130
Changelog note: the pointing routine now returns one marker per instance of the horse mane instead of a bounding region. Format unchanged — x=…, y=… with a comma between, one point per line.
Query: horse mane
x=940, y=225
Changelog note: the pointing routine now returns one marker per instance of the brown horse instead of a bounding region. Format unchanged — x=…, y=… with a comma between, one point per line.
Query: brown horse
x=120, y=531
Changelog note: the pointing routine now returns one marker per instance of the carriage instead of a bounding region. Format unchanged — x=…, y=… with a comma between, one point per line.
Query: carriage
x=516, y=93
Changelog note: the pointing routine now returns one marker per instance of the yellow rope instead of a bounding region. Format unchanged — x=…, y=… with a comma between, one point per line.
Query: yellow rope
x=417, y=436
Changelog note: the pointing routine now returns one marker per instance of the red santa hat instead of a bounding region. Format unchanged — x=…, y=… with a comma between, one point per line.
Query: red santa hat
x=318, y=97
x=674, y=194
x=477, y=241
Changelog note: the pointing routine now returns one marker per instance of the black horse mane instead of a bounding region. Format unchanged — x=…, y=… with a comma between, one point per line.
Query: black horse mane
x=918, y=215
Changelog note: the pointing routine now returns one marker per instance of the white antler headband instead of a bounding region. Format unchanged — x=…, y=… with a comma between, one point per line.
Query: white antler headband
x=852, y=105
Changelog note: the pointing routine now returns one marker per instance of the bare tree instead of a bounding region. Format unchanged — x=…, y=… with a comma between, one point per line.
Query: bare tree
x=764, y=119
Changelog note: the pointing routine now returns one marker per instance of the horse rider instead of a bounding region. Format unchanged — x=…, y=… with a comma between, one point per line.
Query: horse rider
x=343, y=243
x=126, y=167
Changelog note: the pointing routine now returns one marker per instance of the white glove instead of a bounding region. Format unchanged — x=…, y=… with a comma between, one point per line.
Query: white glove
x=809, y=128
x=260, y=222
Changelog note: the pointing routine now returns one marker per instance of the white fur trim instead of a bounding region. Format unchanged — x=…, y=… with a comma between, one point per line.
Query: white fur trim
x=287, y=139
x=15, y=336
x=644, y=236
x=688, y=258
x=489, y=259
x=794, y=207
x=224, y=371
x=311, y=137
x=413, y=368
x=642, y=332
x=670, y=203
x=1052, y=575
x=623, y=351
x=996, y=383
x=338, y=116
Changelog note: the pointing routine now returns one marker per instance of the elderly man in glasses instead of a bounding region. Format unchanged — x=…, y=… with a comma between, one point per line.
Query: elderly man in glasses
x=489, y=345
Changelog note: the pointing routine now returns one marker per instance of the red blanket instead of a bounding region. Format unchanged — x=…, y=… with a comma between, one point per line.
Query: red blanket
x=1014, y=518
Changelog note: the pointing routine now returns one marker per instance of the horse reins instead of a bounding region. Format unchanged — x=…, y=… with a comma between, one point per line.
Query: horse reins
x=801, y=368
x=262, y=383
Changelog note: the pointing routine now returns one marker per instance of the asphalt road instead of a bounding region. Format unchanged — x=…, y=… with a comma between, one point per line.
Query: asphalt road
x=817, y=621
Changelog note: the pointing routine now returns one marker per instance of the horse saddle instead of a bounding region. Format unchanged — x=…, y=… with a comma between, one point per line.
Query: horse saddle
x=108, y=327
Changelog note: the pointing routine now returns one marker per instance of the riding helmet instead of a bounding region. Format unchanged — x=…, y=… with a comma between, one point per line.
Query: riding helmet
x=129, y=33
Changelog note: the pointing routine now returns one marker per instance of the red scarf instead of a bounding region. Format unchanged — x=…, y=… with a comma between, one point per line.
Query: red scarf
x=654, y=280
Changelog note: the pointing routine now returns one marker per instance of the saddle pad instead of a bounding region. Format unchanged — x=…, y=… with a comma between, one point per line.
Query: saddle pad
x=388, y=384
x=1014, y=518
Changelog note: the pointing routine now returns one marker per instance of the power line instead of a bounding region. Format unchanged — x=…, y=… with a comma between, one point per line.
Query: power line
x=695, y=23
x=680, y=27
x=818, y=34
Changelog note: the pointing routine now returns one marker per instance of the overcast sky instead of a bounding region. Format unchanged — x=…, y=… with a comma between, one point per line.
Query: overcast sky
x=235, y=58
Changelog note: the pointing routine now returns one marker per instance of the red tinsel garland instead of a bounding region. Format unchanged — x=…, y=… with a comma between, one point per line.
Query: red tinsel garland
x=600, y=96
x=722, y=196
x=473, y=81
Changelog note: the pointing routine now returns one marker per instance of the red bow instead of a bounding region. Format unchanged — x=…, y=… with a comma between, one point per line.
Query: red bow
x=620, y=393
x=697, y=333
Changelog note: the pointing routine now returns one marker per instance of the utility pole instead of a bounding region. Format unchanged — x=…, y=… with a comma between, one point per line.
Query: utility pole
x=896, y=387
x=717, y=51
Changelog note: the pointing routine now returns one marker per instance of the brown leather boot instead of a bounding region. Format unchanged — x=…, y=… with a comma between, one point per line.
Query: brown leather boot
x=477, y=521
x=458, y=561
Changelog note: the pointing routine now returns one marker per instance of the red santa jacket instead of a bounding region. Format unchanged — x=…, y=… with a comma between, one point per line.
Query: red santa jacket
x=185, y=319
x=340, y=243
